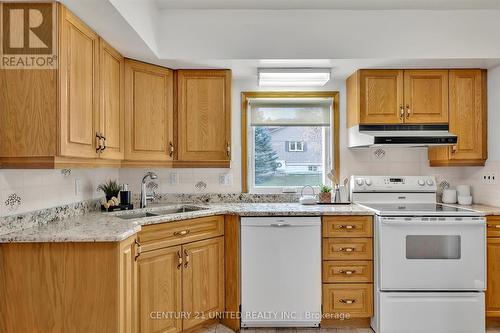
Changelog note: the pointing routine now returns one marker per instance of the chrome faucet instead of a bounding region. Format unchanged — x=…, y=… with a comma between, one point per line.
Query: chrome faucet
x=144, y=196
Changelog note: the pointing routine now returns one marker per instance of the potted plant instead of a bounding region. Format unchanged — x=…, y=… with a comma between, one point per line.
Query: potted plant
x=325, y=194
x=111, y=189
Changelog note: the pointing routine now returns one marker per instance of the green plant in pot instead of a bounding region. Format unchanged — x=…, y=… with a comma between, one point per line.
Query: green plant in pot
x=111, y=189
x=325, y=194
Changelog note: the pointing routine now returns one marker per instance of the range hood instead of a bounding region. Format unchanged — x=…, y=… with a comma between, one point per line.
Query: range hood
x=402, y=135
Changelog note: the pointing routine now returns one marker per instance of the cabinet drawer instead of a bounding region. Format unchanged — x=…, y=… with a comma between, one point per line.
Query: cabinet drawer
x=347, y=271
x=347, y=249
x=347, y=226
x=353, y=299
x=493, y=226
x=161, y=235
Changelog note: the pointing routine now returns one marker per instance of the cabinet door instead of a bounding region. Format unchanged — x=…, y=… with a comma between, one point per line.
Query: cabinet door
x=111, y=111
x=381, y=96
x=128, y=286
x=468, y=114
x=493, y=278
x=426, y=96
x=148, y=112
x=467, y=119
x=203, y=280
x=79, y=103
x=159, y=291
x=204, y=115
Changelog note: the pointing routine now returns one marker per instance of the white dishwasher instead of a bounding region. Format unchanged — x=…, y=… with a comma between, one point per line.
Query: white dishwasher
x=280, y=271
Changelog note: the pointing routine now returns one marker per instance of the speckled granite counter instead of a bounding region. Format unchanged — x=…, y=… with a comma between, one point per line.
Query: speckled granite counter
x=487, y=210
x=107, y=227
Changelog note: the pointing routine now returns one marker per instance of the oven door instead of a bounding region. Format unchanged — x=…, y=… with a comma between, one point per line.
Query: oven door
x=439, y=254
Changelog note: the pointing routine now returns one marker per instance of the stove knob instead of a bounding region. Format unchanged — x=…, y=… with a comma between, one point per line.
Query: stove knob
x=430, y=182
x=421, y=182
x=368, y=182
x=360, y=181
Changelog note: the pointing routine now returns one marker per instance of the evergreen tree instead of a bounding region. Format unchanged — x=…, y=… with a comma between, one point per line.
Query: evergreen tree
x=265, y=156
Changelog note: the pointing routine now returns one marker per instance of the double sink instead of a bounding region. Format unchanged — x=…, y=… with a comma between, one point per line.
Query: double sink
x=160, y=212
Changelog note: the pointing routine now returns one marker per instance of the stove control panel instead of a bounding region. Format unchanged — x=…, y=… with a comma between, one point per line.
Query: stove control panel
x=393, y=184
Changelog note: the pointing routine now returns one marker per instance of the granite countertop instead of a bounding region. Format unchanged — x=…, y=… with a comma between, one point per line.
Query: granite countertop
x=107, y=227
x=485, y=209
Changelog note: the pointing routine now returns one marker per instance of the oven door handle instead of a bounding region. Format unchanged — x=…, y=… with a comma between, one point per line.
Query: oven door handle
x=431, y=224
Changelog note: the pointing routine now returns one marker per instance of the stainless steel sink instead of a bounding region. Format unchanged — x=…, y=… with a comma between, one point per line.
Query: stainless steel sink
x=136, y=216
x=160, y=212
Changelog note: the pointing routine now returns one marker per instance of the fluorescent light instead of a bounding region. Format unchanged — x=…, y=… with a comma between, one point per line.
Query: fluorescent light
x=293, y=77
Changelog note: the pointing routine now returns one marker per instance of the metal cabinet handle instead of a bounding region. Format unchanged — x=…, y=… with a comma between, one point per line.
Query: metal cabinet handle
x=408, y=111
x=186, y=256
x=228, y=149
x=171, y=151
x=182, y=232
x=347, y=301
x=138, y=250
x=453, y=149
x=98, y=140
x=347, y=272
x=179, y=259
x=495, y=226
x=347, y=226
x=401, y=112
x=347, y=249
x=103, y=142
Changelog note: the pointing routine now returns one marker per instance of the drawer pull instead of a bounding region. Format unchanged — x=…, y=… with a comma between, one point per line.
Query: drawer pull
x=347, y=272
x=181, y=233
x=496, y=226
x=347, y=227
x=347, y=301
x=347, y=249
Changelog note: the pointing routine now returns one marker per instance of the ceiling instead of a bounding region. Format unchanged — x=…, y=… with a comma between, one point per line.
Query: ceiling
x=329, y=4
x=180, y=35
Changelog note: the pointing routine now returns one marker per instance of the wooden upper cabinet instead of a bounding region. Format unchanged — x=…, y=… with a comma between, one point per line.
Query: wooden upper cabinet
x=426, y=96
x=79, y=103
x=50, y=118
x=203, y=118
x=467, y=119
x=111, y=117
x=391, y=96
x=148, y=113
x=380, y=96
x=159, y=289
x=203, y=280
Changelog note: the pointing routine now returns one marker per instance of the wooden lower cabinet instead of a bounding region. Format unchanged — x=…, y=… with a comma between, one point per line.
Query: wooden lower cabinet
x=493, y=268
x=347, y=271
x=67, y=287
x=160, y=290
x=180, y=287
x=203, y=280
x=348, y=300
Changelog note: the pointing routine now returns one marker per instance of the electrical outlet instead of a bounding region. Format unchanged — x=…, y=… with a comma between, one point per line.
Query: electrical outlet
x=489, y=178
x=78, y=187
x=174, y=178
x=225, y=179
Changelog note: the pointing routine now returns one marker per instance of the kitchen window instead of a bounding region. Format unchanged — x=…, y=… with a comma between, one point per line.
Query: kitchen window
x=288, y=143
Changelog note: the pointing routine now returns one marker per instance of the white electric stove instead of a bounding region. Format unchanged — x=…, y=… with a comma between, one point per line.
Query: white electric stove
x=430, y=258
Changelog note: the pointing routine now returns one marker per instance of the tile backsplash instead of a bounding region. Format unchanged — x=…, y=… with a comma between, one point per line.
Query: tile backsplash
x=27, y=190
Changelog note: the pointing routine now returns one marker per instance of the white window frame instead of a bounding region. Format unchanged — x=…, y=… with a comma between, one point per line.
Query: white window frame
x=295, y=145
